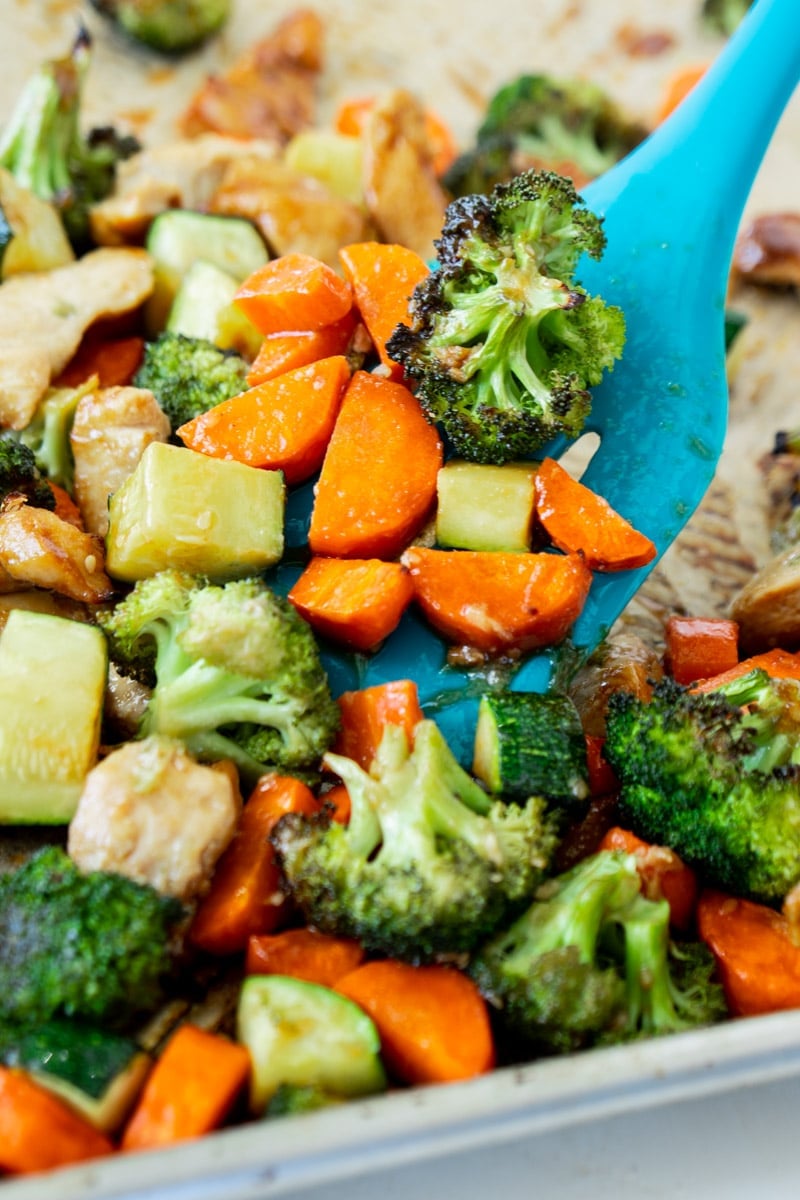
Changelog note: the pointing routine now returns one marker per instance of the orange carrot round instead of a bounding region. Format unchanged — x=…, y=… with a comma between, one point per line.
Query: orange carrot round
x=757, y=960
x=355, y=601
x=190, y=1090
x=282, y=425
x=303, y=954
x=498, y=601
x=38, y=1131
x=378, y=479
x=700, y=647
x=433, y=1022
x=281, y=352
x=367, y=711
x=663, y=873
x=579, y=521
x=383, y=276
x=294, y=292
x=245, y=895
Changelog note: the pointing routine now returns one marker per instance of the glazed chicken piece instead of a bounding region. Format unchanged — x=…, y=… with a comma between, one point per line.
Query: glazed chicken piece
x=293, y=212
x=270, y=92
x=111, y=431
x=767, y=251
x=403, y=195
x=38, y=549
x=43, y=317
x=150, y=812
x=183, y=174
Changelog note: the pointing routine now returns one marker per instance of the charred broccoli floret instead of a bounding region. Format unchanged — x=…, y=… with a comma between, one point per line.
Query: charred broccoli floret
x=724, y=16
x=94, y=946
x=169, y=26
x=567, y=125
x=503, y=343
x=237, y=671
x=188, y=375
x=427, y=865
x=19, y=474
x=590, y=960
x=717, y=782
x=44, y=148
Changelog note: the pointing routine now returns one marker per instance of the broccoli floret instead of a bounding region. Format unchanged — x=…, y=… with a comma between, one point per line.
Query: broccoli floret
x=717, y=783
x=428, y=864
x=169, y=26
x=567, y=125
x=20, y=475
x=95, y=946
x=503, y=344
x=724, y=16
x=188, y=375
x=44, y=148
x=589, y=960
x=237, y=671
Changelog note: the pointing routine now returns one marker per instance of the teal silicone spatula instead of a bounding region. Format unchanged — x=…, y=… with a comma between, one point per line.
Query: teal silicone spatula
x=672, y=210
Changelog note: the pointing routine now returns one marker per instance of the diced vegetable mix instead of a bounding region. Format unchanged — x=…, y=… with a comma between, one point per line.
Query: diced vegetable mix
x=620, y=858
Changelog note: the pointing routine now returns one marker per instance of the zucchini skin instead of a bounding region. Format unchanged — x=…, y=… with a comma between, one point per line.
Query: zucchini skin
x=528, y=744
x=87, y=1058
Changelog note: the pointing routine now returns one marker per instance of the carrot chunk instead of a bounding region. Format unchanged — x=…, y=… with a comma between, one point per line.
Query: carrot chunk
x=383, y=276
x=779, y=664
x=284, y=424
x=378, y=479
x=496, y=601
x=757, y=960
x=699, y=647
x=433, y=1022
x=38, y=1131
x=367, y=711
x=293, y=292
x=677, y=88
x=190, y=1090
x=355, y=601
x=281, y=352
x=602, y=776
x=304, y=954
x=114, y=361
x=577, y=520
x=245, y=895
x=663, y=873
x=351, y=116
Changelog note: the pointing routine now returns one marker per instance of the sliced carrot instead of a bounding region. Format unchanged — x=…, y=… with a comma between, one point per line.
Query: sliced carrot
x=353, y=600
x=304, y=954
x=114, y=361
x=190, y=1090
x=497, y=601
x=779, y=664
x=294, y=292
x=351, y=116
x=579, y=521
x=367, y=711
x=663, y=873
x=699, y=647
x=378, y=480
x=66, y=508
x=757, y=960
x=602, y=777
x=337, y=799
x=284, y=424
x=38, y=1131
x=677, y=88
x=383, y=276
x=433, y=1022
x=281, y=352
x=246, y=896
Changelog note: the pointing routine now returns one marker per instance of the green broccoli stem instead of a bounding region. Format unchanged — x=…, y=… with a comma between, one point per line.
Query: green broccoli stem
x=652, y=998
x=363, y=828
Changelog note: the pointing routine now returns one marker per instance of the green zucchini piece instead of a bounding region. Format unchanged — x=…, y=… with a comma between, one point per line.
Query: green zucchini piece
x=306, y=1036
x=178, y=238
x=52, y=687
x=484, y=507
x=98, y=1073
x=528, y=744
x=204, y=308
x=290, y=1100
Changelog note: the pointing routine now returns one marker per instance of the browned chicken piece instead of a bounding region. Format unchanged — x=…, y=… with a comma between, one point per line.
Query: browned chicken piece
x=270, y=92
x=767, y=251
x=43, y=317
x=623, y=663
x=293, y=212
x=112, y=428
x=182, y=174
x=40, y=550
x=402, y=193
x=150, y=812
x=768, y=607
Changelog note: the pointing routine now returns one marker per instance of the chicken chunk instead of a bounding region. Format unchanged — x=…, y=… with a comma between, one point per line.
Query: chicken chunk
x=150, y=812
x=39, y=549
x=767, y=251
x=43, y=317
x=112, y=428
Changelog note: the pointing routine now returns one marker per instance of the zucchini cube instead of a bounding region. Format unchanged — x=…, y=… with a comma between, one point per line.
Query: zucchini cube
x=484, y=507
